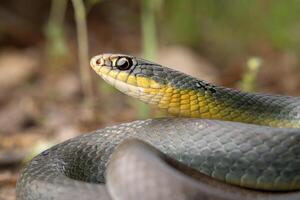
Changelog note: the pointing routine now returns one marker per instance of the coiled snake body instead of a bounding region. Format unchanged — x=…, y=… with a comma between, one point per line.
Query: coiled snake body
x=247, y=147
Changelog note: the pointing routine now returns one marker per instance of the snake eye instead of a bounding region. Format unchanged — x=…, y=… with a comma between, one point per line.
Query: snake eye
x=124, y=63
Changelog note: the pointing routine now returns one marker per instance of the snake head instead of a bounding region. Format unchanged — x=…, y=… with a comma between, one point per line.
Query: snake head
x=112, y=63
x=152, y=83
x=131, y=75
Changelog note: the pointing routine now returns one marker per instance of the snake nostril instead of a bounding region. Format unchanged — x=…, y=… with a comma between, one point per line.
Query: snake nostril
x=98, y=61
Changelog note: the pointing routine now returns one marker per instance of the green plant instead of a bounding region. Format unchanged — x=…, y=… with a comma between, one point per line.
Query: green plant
x=55, y=32
x=249, y=80
x=83, y=53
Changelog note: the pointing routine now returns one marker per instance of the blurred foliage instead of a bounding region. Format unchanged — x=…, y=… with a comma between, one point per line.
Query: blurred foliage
x=55, y=32
x=249, y=81
x=223, y=31
x=83, y=51
x=181, y=21
x=232, y=27
x=148, y=25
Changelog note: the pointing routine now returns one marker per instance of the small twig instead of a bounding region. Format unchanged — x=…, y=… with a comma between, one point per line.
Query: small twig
x=148, y=29
x=55, y=30
x=82, y=40
x=249, y=80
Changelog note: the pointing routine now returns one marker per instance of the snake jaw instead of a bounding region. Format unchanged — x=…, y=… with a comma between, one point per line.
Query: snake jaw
x=128, y=89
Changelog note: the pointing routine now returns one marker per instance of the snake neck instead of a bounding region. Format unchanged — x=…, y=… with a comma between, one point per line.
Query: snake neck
x=198, y=99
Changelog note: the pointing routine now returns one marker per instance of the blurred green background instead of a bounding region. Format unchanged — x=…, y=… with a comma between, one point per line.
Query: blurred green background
x=48, y=93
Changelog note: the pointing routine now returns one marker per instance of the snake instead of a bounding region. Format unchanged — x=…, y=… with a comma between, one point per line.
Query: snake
x=218, y=143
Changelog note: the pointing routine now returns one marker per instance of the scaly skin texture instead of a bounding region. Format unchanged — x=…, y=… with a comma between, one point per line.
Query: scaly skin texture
x=246, y=155
x=250, y=155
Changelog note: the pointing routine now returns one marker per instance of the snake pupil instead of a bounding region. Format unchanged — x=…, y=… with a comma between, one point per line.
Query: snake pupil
x=124, y=63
